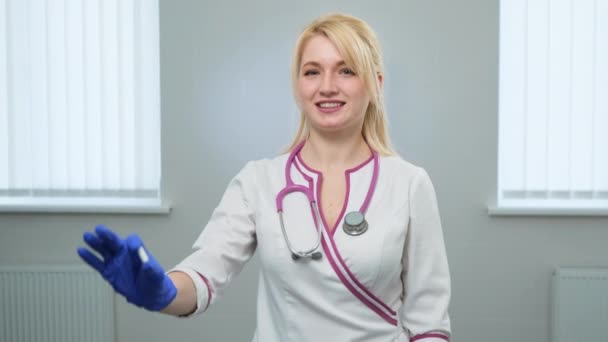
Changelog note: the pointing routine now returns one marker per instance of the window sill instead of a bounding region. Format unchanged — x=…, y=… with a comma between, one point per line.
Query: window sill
x=494, y=210
x=86, y=206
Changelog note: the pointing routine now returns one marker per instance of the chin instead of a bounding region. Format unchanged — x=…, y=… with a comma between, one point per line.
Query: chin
x=329, y=128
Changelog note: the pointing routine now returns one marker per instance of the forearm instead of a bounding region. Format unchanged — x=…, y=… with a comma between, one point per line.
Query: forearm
x=185, y=301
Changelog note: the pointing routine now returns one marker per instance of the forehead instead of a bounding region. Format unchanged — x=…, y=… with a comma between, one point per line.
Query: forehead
x=321, y=50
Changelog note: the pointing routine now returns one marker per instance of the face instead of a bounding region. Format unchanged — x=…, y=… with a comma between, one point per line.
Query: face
x=332, y=97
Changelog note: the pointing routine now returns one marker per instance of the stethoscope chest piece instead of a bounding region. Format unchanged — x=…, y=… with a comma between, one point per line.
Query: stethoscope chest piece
x=354, y=223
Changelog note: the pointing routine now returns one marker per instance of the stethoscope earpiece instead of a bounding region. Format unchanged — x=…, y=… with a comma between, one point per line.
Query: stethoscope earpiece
x=313, y=256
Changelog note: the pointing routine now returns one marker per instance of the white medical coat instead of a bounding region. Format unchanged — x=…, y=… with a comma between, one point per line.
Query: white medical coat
x=391, y=283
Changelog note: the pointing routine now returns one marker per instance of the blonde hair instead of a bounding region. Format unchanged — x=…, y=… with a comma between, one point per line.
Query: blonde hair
x=357, y=44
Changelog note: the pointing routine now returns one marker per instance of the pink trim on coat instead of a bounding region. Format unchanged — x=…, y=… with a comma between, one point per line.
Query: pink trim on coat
x=353, y=282
x=209, y=294
x=429, y=335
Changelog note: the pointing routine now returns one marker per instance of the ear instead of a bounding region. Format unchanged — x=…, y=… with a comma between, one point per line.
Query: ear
x=380, y=79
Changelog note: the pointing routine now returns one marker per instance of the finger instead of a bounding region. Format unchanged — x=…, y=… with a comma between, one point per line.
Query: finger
x=91, y=259
x=152, y=271
x=136, y=249
x=110, y=240
x=96, y=244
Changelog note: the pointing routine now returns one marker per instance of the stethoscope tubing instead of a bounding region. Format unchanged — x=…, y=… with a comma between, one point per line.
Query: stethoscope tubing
x=309, y=253
x=291, y=187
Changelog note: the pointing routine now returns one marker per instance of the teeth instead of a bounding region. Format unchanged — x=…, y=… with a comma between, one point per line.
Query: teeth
x=330, y=104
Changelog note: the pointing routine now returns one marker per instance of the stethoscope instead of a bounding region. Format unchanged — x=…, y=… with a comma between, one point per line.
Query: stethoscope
x=354, y=222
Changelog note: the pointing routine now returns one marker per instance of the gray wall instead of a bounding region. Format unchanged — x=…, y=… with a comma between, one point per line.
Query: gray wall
x=226, y=99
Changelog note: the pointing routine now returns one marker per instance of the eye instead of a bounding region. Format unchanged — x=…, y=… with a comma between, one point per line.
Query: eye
x=347, y=71
x=311, y=72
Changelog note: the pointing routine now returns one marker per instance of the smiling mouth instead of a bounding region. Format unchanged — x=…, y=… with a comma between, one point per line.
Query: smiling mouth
x=330, y=105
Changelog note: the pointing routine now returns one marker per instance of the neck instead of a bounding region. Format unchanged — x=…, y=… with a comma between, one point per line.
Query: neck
x=328, y=153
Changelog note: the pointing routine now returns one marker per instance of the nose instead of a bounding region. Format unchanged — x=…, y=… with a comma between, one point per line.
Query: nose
x=328, y=85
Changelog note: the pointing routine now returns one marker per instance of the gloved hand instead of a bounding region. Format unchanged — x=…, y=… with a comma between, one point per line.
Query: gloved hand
x=130, y=270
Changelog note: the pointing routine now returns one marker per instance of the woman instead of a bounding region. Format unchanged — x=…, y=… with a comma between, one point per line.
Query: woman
x=348, y=233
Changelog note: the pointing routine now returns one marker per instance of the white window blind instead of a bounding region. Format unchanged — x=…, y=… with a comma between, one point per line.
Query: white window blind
x=79, y=103
x=553, y=120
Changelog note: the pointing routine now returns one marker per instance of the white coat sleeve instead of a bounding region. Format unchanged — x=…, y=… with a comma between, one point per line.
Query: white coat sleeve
x=425, y=276
x=226, y=243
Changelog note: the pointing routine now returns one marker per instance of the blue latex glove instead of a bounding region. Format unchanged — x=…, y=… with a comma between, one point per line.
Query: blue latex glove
x=129, y=268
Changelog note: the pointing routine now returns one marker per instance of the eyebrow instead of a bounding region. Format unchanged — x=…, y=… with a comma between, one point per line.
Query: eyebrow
x=316, y=64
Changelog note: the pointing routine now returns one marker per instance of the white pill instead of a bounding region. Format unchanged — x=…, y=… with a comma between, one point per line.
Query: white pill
x=143, y=255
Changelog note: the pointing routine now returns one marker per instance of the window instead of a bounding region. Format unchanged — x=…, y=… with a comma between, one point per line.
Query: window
x=553, y=111
x=79, y=105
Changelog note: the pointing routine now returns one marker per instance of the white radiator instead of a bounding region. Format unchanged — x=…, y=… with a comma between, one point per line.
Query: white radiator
x=579, y=305
x=55, y=304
